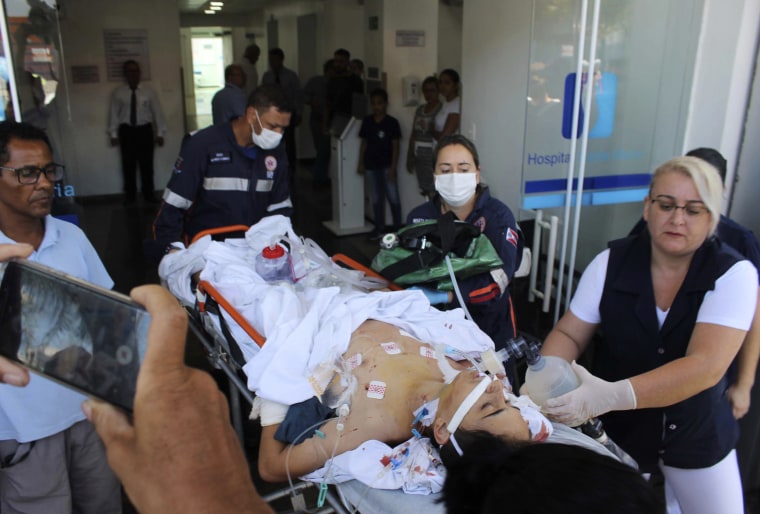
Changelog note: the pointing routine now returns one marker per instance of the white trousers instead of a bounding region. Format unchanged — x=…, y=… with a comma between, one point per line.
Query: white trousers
x=704, y=490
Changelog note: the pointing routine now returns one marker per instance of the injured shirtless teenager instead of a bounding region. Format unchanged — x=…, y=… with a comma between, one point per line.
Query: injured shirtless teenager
x=392, y=377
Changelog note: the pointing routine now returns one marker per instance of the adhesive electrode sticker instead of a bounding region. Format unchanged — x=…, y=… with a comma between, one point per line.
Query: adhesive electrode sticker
x=354, y=361
x=376, y=390
x=391, y=348
x=428, y=352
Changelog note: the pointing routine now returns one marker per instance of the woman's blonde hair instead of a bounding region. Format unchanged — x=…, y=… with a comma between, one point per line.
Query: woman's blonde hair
x=706, y=179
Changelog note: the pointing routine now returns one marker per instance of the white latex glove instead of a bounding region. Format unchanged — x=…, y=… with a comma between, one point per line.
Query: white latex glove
x=592, y=398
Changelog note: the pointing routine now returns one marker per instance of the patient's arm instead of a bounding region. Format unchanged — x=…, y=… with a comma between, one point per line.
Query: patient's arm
x=310, y=454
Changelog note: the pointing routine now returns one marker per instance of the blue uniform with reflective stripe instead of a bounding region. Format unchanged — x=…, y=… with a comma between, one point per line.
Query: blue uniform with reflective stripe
x=216, y=183
x=489, y=305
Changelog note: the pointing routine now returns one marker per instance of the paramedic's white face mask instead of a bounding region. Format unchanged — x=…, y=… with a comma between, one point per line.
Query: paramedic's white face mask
x=268, y=138
x=456, y=188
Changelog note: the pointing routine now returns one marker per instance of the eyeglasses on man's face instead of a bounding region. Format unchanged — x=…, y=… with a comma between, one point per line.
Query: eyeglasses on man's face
x=692, y=209
x=31, y=174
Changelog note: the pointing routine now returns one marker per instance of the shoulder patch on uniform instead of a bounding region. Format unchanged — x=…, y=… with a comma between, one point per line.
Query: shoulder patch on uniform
x=270, y=162
x=178, y=165
x=512, y=237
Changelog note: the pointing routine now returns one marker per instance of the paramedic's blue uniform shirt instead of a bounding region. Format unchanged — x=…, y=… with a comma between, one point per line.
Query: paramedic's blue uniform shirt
x=216, y=183
x=486, y=295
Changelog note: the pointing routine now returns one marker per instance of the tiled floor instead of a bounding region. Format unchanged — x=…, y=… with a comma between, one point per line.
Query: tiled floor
x=117, y=233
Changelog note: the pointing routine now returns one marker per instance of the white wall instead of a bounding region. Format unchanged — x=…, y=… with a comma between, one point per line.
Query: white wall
x=449, y=36
x=399, y=62
x=93, y=167
x=744, y=207
x=722, y=79
x=344, y=27
x=495, y=62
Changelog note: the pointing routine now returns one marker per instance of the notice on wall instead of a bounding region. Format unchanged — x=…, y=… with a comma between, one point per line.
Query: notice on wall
x=122, y=45
x=410, y=38
x=85, y=74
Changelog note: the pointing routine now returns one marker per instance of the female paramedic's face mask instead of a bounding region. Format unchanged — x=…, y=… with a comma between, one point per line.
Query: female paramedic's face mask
x=456, y=188
x=268, y=138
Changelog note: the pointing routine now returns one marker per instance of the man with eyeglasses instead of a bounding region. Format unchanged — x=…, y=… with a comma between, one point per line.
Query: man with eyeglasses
x=51, y=459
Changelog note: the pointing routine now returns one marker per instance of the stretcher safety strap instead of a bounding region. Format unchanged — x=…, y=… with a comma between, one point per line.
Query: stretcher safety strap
x=467, y=404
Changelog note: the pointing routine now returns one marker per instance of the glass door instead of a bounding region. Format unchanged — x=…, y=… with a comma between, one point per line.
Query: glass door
x=602, y=108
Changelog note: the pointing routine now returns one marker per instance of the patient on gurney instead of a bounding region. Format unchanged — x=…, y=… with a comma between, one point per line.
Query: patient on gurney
x=404, y=392
x=356, y=370
x=399, y=384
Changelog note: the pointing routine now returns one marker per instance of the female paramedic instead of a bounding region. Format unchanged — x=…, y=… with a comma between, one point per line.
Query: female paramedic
x=458, y=187
x=673, y=305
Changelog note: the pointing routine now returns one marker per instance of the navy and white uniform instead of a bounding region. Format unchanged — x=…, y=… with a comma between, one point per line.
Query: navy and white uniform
x=487, y=295
x=216, y=183
x=696, y=432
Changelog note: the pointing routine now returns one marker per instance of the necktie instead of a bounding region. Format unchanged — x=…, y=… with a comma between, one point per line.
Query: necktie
x=133, y=109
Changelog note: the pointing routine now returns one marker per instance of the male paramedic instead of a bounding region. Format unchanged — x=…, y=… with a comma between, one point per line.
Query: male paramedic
x=51, y=459
x=234, y=173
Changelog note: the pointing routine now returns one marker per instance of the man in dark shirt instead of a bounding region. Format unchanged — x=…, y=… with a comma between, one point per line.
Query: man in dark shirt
x=378, y=158
x=341, y=88
x=234, y=173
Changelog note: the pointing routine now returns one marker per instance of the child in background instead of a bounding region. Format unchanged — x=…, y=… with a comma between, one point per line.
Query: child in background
x=378, y=157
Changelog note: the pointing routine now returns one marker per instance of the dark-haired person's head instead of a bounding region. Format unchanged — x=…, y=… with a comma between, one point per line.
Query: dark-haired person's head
x=234, y=74
x=252, y=53
x=378, y=101
x=494, y=476
x=379, y=92
x=132, y=72
x=357, y=67
x=276, y=58
x=268, y=111
x=28, y=173
x=448, y=84
x=430, y=89
x=456, y=139
x=341, y=61
x=342, y=52
x=267, y=96
x=712, y=156
x=22, y=131
x=472, y=404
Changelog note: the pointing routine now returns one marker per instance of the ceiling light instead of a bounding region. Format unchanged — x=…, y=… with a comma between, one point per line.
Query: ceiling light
x=215, y=8
x=209, y=11
x=217, y=3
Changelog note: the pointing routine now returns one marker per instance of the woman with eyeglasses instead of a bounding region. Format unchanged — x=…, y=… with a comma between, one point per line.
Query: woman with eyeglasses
x=672, y=305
